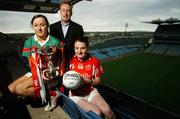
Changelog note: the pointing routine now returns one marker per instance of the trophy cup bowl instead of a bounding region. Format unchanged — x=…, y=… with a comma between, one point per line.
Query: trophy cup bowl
x=52, y=71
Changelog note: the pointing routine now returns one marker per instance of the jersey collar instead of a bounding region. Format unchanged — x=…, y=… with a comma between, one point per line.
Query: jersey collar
x=36, y=39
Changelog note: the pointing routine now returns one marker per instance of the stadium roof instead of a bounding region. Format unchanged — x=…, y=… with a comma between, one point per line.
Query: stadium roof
x=166, y=21
x=44, y=6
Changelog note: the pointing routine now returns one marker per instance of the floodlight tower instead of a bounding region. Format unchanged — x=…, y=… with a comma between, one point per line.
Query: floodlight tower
x=126, y=26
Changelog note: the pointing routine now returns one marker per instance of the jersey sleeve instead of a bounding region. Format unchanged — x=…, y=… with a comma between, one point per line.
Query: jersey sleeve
x=98, y=68
x=26, y=49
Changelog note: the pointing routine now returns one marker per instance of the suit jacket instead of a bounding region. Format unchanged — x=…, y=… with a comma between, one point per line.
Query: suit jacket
x=75, y=30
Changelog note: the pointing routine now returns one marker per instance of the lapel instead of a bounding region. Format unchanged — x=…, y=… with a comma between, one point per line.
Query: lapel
x=69, y=31
x=61, y=31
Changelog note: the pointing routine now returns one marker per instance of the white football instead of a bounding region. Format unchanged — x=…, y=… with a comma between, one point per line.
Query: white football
x=71, y=79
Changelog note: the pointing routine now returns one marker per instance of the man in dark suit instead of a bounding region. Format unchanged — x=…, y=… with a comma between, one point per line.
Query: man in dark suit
x=66, y=30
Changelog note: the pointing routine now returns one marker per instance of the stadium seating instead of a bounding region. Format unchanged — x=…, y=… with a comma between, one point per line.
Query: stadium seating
x=166, y=40
x=150, y=48
x=111, y=52
x=160, y=49
x=73, y=110
x=98, y=54
x=174, y=50
x=164, y=49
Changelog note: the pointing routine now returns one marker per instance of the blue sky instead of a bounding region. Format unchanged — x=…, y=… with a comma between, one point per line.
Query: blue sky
x=101, y=15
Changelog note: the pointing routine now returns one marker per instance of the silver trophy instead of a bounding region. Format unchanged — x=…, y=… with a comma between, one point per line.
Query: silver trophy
x=52, y=71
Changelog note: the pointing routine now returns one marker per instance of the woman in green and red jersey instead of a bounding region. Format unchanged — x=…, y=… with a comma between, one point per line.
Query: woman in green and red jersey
x=28, y=84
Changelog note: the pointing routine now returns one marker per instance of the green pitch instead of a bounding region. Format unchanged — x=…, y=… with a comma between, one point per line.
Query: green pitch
x=154, y=78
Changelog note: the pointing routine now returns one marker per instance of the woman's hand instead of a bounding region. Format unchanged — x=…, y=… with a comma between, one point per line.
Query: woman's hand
x=85, y=80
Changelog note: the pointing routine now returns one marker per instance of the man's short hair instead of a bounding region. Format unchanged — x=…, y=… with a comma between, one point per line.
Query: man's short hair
x=68, y=2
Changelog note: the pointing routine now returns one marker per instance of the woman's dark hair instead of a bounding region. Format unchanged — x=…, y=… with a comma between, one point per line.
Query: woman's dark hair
x=39, y=15
x=83, y=39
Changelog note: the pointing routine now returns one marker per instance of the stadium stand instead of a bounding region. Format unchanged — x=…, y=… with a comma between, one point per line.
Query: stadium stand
x=112, y=52
x=150, y=48
x=166, y=39
x=117, y=47
x=121, y=41
x=174, y=50
x=167, y=33
x=160, y=49
x=98, y=54
x=73, y=110
x=119, y=50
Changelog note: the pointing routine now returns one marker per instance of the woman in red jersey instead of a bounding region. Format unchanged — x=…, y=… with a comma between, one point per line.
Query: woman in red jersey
x=90, y=69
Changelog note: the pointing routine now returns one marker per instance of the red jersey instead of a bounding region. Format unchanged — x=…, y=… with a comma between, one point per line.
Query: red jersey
x=90, y=68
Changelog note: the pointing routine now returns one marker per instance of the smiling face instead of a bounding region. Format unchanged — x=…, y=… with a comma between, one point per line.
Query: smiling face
x=80, y=49
x=40, y=27
x=65, y=12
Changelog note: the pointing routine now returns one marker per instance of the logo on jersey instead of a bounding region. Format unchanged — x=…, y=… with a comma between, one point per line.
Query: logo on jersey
x=88, y=67
x=80, y=66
